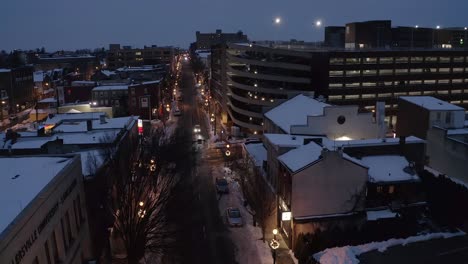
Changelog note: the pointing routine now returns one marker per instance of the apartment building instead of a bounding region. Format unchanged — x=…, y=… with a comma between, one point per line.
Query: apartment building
x=127, y=56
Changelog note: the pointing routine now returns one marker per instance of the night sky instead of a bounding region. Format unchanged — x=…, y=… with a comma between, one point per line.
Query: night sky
x=66, y=24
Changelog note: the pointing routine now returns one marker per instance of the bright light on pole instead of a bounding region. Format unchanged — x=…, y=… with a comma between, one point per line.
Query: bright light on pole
x=318, y=23
x=417, y=26
x=278, y=20
x=437, y=27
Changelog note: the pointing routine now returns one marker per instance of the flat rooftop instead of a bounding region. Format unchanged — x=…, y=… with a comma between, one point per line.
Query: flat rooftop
x=21, y=180
x=431, y=103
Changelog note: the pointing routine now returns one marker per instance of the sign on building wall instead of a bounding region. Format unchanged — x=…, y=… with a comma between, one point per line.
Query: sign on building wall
x=144, y=102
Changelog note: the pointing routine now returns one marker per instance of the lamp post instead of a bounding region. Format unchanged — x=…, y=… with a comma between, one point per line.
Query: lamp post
x=274, y=244
x=1, y=110
x=318, y=25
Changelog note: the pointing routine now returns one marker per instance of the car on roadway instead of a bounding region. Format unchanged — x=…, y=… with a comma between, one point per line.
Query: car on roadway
x=234, y=217
x=222, y=185
x=177, y=112
x=13, y=117
x=197, y=129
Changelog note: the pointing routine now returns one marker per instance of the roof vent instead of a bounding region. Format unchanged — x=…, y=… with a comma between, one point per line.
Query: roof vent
x=293, y=137
x=15, y=177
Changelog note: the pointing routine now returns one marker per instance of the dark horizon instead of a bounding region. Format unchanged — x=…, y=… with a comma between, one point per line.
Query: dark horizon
x=58, y=25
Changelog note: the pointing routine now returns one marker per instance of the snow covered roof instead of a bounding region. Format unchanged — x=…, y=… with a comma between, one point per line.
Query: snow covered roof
x=81, y=126
x=5, y=70
x=21, y=180
x=83, y=83
x=258, y=152
x=349, y=254
x=108, y=73
x=38, y=76
x=286, y=140
x=295, y=112
x=388, y=168
x=48, y=100
x=297, y=159
x=460, y=131
x=74, y=116
x=111, y=87
x=91, y=160
x=381, y=214
x=148, y=82
x=431, y=103
x=333, y=144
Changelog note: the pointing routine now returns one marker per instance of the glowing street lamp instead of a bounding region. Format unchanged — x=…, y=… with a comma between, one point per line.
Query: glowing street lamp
x=318, y=23
x=278, y=20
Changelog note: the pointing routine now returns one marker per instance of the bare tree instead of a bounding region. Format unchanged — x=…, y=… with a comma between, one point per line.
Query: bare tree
x=258, y=193
x=139, y=203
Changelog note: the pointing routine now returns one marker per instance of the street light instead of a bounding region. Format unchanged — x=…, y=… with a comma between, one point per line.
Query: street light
x=318, y=23
x=274, y=244
x=278, y=20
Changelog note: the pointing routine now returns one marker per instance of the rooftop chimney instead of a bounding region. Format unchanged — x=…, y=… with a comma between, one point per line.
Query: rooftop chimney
x=102, y=118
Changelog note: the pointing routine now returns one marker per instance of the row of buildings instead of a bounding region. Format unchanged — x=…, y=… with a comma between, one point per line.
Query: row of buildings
x=50, y=209
x=332, y=166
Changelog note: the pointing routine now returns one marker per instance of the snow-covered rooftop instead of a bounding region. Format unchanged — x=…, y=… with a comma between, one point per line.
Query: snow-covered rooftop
x=297, y=159
x=111, y=88
x=333, y=144
x=38, y=76
x=108, y=73
x=258, y=152
x=21, y=180
x=460, y=131
x=286, y=140
x=91, y=160
x=295, y=112
x=83, y=83
x=381, y=214
x=388, y=168
x=431, y=103
x=349, y=254
x=81, y=126
x=148, y=82
x=5, y=70
x=74, y=116
x=48, y=100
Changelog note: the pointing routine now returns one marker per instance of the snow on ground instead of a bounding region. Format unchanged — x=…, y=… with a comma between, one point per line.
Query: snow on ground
x=247, y=239
x=170, y=126
x=348, y=254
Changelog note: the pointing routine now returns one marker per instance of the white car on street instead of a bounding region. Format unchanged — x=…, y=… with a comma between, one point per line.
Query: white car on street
x=197, y=129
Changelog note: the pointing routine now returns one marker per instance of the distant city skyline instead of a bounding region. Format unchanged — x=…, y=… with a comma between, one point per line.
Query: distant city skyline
x=58, y=25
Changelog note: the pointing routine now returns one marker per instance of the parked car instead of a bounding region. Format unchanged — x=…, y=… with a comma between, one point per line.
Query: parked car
x=13, y=117
x=222, y=185
x=177, y=112
x=234, y=217
x=197, y=129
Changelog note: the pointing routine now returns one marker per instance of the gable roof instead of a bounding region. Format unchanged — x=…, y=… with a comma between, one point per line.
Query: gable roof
x=299, y=158
x=295, y=112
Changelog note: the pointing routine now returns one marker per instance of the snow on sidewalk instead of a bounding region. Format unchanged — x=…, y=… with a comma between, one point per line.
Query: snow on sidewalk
x=247, y=239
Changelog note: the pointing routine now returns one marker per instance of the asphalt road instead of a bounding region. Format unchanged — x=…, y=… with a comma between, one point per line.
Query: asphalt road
x=202, y=236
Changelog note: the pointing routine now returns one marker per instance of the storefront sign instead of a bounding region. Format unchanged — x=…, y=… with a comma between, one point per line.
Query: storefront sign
x=286, y=216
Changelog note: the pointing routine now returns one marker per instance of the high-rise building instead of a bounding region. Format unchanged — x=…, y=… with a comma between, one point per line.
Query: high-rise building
x=247, y=79
x=207, y=40
x=131, y=57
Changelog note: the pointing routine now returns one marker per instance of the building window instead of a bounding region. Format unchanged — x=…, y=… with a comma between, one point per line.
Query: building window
x=336, y=73
x=369, y=72
x=401, y=71
x=444, y=81
x=368, y=96
x=414, y=93
x=69, y=230
x=65, y=244
x=401, y=60
x=133, y=101
x=417, y=71
x=352, y=85
x=386, y=60
x=146, y=90
x=352, y=96
x=458, y=59
x=77, y=221
x=448, y=117
x=370, y=60
x=457, y=69
x=386, y=72
x=79, y=209
x=334, y=85
x=444, y=70
x=444, y=59
x=416, y=82
x=352, y=60
x=46, y=248
x=352, y=73
x=368, y=84
x=385, y=95
x=55, y=247
x=456, y=91
x=341, y=120
x=391, y=189
x=379, y=189
x=416, y=59
x=431, y=59
x=335, y=97
x=442, y=92
x=429, y=81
